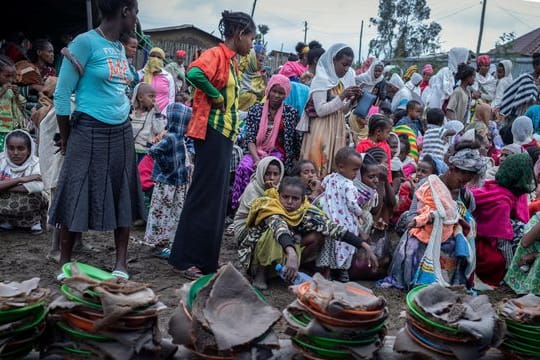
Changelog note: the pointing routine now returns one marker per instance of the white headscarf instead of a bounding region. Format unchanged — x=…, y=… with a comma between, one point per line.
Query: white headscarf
x=396, y=81
x=325, y=76
x=457, y=56
x=522, y=130
x=368, y=78
x=19, y=170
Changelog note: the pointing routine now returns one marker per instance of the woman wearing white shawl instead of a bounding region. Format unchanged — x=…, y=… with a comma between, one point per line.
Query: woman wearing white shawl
x=401, y=92
x=441, y=86
x=372, y=76
x=485, y=83
x=414, y=86
x=22, y=203
x=504, y=73
x=332, y=93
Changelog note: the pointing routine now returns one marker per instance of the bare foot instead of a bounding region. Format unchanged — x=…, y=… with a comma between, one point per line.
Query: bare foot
x=259, y=281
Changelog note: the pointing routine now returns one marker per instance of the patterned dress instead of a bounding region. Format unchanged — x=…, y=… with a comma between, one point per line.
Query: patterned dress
x=340, y=201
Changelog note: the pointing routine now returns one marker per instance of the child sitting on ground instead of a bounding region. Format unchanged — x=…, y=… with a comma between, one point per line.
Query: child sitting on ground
x=148, y=124
x=340, y=201
x=306, y=170
x=283, y=227
x=268, y=174
x=22, y=203
x=171, y=180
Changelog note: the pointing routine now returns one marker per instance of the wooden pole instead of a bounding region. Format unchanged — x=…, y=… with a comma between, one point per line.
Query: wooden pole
x=482, y=17
x=360, y=44
x=305, y=31
x=253, y=8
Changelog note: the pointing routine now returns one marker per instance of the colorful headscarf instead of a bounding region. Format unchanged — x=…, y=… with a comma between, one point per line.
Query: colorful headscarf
x=265, y=144
x=409, y=72
x=153, y=65
x=251, y=79
x=468, y=160
x=483, y=60
x=516, y=174
x=411, y=136
x=427, y=69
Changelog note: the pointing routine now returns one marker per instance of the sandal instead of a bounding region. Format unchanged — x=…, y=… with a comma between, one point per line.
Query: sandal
x=164, y=254
x=192, y=273
x=120, y=274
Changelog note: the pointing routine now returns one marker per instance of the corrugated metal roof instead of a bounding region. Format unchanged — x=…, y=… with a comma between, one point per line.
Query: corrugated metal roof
x=527, y=44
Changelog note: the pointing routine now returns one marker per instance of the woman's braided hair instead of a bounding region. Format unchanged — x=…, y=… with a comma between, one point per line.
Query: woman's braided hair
x=233, y=22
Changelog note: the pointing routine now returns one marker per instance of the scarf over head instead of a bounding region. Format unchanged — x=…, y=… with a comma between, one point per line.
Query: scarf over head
x=325, y=75
x=258, y=177
x=516, y=174
x=522, y=130
x=409, y=72
x=19, y=170
x=396, y=81
x=513, y=149
x=522, y=91
x=153, y=65
x=269, y=205
x=427, y=69
x=268, y=143
x=253, y=80
x=457, y=56
x=368, y=77
x=468, y=160
x=483, y=60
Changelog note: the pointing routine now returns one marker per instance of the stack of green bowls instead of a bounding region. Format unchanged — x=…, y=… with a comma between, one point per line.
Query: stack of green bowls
x=350, y=329
x=522, y=339
x=76, y=327
x=433, y=334
x=22, y=328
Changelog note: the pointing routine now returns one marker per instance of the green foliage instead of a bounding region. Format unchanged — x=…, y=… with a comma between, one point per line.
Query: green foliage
x=404, y=29
x=263, y=30
x=505, y=38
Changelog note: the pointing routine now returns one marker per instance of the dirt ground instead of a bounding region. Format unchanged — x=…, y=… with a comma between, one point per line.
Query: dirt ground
x=24, y=257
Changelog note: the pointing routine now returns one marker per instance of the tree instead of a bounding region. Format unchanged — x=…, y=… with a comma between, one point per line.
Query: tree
x=404, y=29
x=505, y=38
x=263, y=30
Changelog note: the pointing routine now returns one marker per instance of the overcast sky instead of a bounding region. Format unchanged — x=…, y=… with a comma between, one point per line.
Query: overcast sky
x=331, y=21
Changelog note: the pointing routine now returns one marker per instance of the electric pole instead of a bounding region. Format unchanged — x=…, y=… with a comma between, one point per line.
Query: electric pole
x=484, y=2
x=305, y=31
x=360, y=45
x=253, y=8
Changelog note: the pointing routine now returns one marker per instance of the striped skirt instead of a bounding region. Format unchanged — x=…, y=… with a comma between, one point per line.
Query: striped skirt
x=98, y=187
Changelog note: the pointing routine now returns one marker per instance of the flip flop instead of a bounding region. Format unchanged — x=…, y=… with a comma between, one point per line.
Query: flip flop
x=165, y=253
x=60, y=277
x=120, y=274
x=192, y=273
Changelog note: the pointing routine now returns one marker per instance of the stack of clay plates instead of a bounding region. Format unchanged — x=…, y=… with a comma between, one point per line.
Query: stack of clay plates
x=327, y=332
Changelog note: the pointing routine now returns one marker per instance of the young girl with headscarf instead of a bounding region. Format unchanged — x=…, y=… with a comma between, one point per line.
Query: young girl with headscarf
x=372, y=76
x=332, y=93
x=504, y=80
x=427, y=72
x=485, y=83
x=22, y=202
x=160, y=79
x=270, y=130
x=400, y=91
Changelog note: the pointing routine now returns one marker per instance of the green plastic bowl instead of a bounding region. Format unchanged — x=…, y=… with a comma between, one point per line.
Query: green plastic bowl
x=200, y=283
x=88, y=270
x=525, y=334
x=80, y=352
x=521, y=347
x=11, y=315
x=420, y=316
x=517, y=325
x=73, y=297
x=39, y=317
x=79, y=334
x=320, y=351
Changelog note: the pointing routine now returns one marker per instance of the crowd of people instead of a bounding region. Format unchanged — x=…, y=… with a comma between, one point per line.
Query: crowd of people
x=283, y=162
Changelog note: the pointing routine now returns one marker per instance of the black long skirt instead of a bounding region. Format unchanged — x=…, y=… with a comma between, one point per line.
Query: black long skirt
x=200, y=230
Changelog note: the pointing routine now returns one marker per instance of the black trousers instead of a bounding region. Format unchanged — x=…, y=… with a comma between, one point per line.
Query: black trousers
x=200, y=230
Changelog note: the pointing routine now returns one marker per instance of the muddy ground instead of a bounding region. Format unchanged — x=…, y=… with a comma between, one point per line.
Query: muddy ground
x=24, y=256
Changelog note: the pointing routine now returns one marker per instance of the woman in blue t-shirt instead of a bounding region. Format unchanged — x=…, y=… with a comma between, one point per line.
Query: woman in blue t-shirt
x=98, y=188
